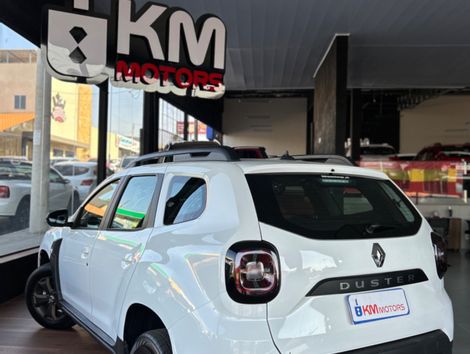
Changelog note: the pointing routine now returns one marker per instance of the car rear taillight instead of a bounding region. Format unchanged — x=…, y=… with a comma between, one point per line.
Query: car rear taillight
x=86, y=182
x=252, y=273
x=4, y=192
x=440, y=254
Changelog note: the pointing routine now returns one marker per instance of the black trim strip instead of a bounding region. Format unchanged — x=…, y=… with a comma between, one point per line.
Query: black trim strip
x=102, y=337
x=358, y=283
x=435, y=342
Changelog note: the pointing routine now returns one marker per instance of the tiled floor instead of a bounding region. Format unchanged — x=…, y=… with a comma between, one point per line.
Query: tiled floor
x=19, y=334
x=457, y=282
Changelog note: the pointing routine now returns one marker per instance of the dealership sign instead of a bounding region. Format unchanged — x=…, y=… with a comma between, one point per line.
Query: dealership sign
x=157, y=48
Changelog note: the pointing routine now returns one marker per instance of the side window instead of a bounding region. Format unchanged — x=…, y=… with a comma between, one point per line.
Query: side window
x=54, y=177
x=93, y=212
x=186, y=200
x=134, y=203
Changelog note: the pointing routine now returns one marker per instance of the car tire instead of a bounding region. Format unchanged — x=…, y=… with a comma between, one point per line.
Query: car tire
x=21, y=219
x=42, y=302
x=153, y=342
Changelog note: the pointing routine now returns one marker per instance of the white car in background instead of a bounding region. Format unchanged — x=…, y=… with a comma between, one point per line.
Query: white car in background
x=211, y=254
x=56, y=160
x=15, y=191
x=82, y=175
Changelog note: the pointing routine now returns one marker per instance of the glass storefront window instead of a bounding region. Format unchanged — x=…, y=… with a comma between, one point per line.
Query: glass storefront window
x=171, y=123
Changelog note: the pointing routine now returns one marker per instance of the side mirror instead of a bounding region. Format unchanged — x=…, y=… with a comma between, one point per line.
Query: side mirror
x=58, y=218
x=66, y=181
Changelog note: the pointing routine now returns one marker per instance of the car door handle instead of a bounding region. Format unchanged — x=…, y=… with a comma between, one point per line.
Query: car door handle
x=85, y=252
x=127, y=260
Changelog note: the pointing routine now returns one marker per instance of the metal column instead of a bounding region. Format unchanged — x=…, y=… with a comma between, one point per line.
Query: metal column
x=39, y=201
x=331, y=103
x=102, y=130
x=150, y=124
x=355, y=124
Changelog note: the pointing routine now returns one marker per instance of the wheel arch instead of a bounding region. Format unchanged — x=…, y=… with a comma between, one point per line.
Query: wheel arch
x=43, y=258
x=140, y=319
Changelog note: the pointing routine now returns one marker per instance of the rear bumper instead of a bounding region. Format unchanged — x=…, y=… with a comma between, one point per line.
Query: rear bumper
x=435, y=342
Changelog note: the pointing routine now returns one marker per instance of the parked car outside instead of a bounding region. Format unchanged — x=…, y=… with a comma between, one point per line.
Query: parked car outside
x=260, y=256
x=82, y=175
x=15, y=191
x=125, y=161
x=56, y=160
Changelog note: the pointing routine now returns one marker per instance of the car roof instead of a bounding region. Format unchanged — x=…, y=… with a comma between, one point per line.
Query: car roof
x=262, y=166
x=76, y=163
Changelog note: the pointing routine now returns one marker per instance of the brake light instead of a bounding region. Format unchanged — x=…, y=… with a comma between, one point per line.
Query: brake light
x=440, y=254
x=252, y=272
x=4, y=192
x=86, y=182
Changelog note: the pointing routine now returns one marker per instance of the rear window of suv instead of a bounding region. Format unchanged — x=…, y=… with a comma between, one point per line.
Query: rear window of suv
x=332, y=206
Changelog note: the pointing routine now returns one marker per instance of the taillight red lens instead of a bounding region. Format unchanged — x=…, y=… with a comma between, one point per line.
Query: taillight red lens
x=440, y=254
x=86, y=182
x=4, y=192
x=252, y=272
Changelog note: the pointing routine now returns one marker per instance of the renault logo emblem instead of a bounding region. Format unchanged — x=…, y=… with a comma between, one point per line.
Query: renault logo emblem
x=378, y=255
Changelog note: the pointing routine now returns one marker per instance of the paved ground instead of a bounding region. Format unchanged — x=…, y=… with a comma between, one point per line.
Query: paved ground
x=19, y=334
x=457, y=283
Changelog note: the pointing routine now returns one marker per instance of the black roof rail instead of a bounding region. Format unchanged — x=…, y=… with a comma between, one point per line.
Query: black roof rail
x=216, y=153
x=328, y=159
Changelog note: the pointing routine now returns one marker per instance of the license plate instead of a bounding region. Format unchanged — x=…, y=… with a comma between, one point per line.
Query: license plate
x=378, y=305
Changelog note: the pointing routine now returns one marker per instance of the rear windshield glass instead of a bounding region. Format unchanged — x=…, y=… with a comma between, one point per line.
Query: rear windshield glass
x=14, y=170
x=332, y=207
x=65, y=170
x=71, y=170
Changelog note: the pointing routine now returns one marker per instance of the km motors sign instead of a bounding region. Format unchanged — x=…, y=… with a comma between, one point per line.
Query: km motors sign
x=156, y=48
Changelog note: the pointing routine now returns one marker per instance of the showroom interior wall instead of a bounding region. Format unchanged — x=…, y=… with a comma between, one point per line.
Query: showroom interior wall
x=278, y=124
x=444, y=119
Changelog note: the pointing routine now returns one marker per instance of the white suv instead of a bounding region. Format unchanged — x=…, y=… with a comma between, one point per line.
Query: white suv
x=200, y=256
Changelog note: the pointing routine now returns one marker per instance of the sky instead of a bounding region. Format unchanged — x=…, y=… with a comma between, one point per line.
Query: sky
x=125, y=105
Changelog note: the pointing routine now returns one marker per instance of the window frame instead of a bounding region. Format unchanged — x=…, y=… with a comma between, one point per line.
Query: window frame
x=75, y=223
x=166, y=199
x=149, y=220
x=21, y=99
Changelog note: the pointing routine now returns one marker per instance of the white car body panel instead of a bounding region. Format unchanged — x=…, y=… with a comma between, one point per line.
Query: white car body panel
x=299, y=322
x=75, y=252
x=178, y=271
x=18, y=190
x=59, y=196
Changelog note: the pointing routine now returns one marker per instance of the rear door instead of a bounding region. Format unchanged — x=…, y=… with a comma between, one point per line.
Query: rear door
x=339, y=237
x=120, y=245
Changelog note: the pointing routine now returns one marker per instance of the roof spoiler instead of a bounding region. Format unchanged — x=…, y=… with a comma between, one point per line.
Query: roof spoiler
x=216, y=153
x=327, y=159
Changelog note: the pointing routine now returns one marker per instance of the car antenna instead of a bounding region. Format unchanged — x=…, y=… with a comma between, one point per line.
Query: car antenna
x=286, y=156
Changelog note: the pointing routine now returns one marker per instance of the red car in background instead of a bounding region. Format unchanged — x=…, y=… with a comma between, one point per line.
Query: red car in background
x=439, y=170
x=449, y=152
x=251, y=152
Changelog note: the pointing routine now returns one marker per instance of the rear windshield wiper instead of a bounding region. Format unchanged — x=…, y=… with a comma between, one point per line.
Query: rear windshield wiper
x=375, y=228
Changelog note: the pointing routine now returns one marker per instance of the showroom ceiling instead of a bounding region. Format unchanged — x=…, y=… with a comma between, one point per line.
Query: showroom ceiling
x=278, y=44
